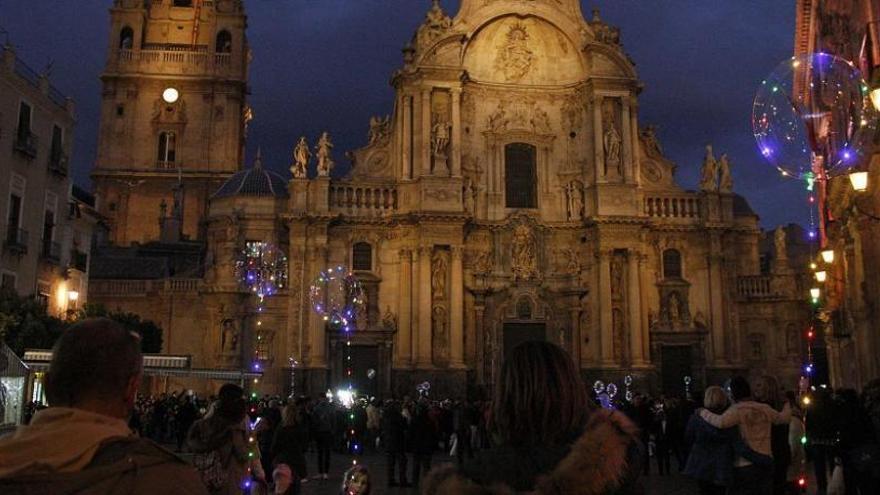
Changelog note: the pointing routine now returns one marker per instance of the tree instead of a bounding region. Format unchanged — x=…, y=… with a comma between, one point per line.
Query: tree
x=25, y=324
x=150, y=332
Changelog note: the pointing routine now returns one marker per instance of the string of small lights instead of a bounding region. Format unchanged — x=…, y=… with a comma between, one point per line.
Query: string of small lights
x=262, y=269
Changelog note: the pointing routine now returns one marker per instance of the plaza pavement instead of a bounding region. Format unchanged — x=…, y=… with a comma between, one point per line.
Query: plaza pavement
x=674, y=484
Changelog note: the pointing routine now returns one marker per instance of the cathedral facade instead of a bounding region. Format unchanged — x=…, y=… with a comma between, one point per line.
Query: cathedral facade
x=510, y=195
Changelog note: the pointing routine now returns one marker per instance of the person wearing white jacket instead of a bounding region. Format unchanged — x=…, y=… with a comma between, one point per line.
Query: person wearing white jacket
x=754, y=420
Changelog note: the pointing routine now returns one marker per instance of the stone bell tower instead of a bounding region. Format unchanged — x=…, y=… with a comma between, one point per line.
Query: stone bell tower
x=173, y=111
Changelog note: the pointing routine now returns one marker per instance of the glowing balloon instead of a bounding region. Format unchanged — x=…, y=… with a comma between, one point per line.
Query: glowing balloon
x=814, y=104
x=261, y=268
x=337, y=296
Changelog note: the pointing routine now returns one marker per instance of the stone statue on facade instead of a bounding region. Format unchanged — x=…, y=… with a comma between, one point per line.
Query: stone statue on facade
x=652, y=144
x=438, y=276
x=709, y=172
x=779, y=241
x=612, y=141
x=575, y=201
x=323, y=152
x=498, y=120
x=379, y=129
x=515, y=57
x=228, y=337
x=436, y=22
x=674, y=307
x=389, y=320
x=524, y=262
x=301, y=157
x=725, y=184
x=469, y=196
x=440, y=138
x=616, y=278
x=541, y=121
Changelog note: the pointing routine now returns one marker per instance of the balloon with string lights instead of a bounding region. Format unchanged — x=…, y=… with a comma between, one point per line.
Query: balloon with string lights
x=815, y=103
x=336, y=295
x=262, y=268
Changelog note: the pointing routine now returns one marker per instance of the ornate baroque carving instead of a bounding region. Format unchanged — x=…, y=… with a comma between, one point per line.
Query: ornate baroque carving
x=524, y=260
x=515, y=56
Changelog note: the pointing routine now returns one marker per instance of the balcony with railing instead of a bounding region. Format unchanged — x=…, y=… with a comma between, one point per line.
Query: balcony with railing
x=363, y=200
x=58, y=162
x=79, y=260
x=167, y=165
x=167, y=57
x=25, y=142
x=756, y=287
x=131, y=288
x=51, y=251
x=672, y=206
x=16, y=240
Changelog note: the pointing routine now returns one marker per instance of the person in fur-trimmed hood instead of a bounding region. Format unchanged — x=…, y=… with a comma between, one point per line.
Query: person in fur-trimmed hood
x=549, y=439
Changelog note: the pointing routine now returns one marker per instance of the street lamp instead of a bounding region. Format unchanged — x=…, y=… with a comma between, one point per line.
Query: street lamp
x=875, y=98
x=828, y=256
x=72, y=296
x=815, y=293
x=859, y=180
x=821, y=276
x=170, y=95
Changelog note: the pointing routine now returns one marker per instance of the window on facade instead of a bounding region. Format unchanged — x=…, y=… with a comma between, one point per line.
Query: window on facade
x=671, y=263
x=224, y=42
x=57, y=150
x=48, y=226
x=24, y=122
x=183, y=3
x=520, y=175
x=362, y=256
x=7, y=281
x=524, y=309
x=126, y=38
x=167, y=147
x=13, y=218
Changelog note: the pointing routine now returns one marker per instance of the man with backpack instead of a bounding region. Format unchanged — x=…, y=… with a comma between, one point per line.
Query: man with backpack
x=82, y=443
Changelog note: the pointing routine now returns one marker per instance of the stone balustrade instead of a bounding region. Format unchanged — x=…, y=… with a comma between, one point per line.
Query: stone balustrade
x=160, y=59
x=363, y=200
x=755, y=287
x=128, y=288
x=681, y=206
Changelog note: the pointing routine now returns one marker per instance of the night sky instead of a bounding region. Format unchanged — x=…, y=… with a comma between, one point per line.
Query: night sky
x=325, y=65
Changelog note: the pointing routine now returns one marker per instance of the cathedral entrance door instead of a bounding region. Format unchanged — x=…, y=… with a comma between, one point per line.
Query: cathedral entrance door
x=365, y=369
x=677, y=363
x=517, y=333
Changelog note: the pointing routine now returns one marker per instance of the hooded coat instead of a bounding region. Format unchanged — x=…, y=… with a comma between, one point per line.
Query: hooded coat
x=603, y=460
x=71, y=451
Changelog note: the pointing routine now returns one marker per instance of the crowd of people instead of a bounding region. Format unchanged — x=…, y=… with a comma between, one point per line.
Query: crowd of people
x=543, y=433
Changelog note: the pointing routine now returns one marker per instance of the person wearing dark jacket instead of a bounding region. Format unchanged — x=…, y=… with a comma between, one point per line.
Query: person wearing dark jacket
x=394, y=428
x=289, y=445
x=711, y=457
x=548, y=437
x=423, y=438
x=224, y=431
x=82, y=444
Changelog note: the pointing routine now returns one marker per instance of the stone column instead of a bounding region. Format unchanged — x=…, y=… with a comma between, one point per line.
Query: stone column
x=636, y=144
x=634, y=298
x=626, y=141
x=456, y=132
x=606, y=326
x=716, y=303
x=413, y=297
x=407, y=137
x=425, y=143
x=645, y=285
x=456, y=303
x=317, y=333
x=480, y=352
x=423, y=358
x=599, y=152
x=403, y=348
x=574, y=317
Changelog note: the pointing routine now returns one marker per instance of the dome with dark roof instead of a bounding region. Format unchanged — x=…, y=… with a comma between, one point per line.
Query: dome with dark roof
x=255, y=181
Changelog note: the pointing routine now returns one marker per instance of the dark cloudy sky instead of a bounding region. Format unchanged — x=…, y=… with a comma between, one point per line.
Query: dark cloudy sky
x=325, y=64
